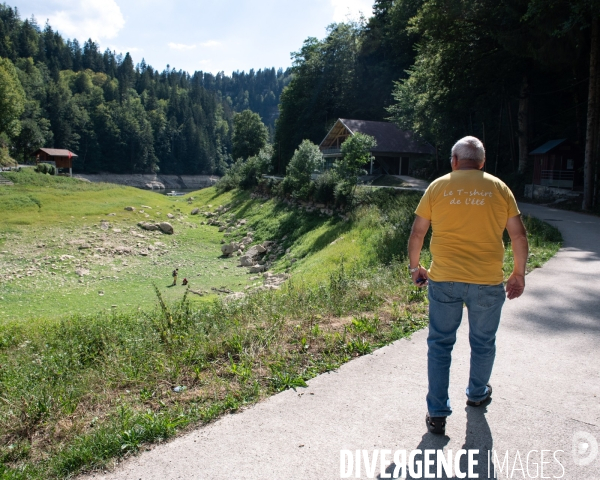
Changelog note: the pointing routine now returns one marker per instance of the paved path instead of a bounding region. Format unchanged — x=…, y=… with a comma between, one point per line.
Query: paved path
x=546, y=390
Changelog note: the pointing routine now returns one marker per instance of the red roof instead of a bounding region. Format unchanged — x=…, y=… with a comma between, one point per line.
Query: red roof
x=55, y=152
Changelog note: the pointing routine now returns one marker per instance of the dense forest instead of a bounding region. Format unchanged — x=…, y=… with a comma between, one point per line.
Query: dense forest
x=515, y=73
x=115, y=115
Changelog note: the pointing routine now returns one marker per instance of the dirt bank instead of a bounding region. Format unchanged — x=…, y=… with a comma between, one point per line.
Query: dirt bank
x=153, y=182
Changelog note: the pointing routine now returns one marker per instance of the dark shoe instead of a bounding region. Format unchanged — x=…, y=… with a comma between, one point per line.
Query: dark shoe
x=470, y=403
x=436, y=425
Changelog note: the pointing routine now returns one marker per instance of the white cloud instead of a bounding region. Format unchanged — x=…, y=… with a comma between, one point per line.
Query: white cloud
x=83, y=19
x=210, y=43
x=181, y=46
x=131, y=50
x=344, y=9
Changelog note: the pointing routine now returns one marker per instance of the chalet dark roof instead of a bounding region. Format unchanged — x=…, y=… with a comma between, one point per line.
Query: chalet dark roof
x=389, y=137
x=55, y=152
x=546, y=147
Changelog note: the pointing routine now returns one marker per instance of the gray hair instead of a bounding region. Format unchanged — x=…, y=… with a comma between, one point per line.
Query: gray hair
x=469, y=148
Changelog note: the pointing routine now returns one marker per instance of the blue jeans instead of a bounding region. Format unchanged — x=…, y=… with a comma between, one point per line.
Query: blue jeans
x=484, y=305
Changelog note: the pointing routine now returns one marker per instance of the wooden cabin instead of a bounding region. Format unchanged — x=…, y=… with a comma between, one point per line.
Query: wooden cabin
x=558, y=163
x=60, y=158
x=394, y=151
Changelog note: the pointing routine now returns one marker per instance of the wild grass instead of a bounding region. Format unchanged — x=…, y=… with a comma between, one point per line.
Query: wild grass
x=80, y=391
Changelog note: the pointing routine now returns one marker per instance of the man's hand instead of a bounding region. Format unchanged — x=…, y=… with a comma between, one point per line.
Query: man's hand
x=515, y=286
x=420, y=274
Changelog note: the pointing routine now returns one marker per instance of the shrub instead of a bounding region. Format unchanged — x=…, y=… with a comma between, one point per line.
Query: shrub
x=46, y=168
x=324, y=191
x=5, y=158
x=306, y=159
x=246, y=173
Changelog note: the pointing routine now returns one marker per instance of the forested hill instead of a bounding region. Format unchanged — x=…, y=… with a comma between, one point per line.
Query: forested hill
x=515, y=73
x=116, y=115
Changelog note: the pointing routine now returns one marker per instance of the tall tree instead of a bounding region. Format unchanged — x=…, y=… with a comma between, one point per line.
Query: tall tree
x=249, y=134
x=12, y=99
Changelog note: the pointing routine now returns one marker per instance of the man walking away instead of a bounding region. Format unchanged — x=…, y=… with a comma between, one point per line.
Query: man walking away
x=468, y=211
x=175, y=273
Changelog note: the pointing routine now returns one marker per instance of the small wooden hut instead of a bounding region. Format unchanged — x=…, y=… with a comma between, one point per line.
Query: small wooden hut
x=558, y=163
x=394, y=151
x=60, y=158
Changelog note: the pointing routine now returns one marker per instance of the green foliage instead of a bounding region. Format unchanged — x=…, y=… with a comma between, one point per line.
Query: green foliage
x=482, y=65
x=249, y=135
x=5, y=158
x=46, y=168
x=307, y=158
x=118, y=116
x=246, y=174
x=324, y=190
x=12, y=99
x=356, y=153
x=347, y=74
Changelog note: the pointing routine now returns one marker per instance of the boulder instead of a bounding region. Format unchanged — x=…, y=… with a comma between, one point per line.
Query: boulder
x=170, y=215
x=230, y=248
x=247, y=240
x=130, y=209
x=246, y=261
x=195, y=211
x=257, y=268
x=149, y=226
x=256, y=250
x=166, y=227
x=222, y=228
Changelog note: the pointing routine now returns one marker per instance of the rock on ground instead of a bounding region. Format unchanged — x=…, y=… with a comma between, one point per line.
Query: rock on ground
x=166, y=227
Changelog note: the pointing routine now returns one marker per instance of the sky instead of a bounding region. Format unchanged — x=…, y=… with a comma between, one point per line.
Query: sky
x=191, y=35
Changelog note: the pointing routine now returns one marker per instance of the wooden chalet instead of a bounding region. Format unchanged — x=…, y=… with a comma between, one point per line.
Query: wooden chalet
x=558, y=163
x=60, y=158
x=394, y=151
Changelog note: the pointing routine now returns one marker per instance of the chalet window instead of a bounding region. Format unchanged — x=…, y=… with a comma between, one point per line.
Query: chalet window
x=569, y=164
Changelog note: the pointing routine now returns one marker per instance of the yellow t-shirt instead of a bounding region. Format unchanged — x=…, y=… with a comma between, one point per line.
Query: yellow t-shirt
x=468, y=210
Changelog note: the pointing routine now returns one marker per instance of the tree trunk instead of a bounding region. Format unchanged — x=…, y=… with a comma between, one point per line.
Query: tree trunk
x=592, y=113
x=523, y=120
x=511, y=136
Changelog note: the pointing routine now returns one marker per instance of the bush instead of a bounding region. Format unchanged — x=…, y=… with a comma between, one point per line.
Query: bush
x=46, y=168
x=5, y=158
x=246, y=174
x=297, y=181
x=324, y=190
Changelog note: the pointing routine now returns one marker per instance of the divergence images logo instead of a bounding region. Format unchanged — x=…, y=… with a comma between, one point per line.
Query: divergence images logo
x=585, y=448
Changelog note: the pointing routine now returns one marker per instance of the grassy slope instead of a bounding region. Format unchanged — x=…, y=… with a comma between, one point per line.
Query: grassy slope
x=78, y=391
x=45, y=218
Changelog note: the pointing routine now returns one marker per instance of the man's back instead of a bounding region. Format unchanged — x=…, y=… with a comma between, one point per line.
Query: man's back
x=468, y=210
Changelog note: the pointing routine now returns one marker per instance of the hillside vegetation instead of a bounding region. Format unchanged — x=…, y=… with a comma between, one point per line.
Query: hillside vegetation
x=83, y=383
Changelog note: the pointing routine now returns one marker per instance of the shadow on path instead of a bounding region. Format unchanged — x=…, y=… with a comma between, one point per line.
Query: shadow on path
x=478, y=437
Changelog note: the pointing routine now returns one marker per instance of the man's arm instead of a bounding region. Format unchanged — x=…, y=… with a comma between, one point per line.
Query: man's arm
x=415, y=244
x=520, y=247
